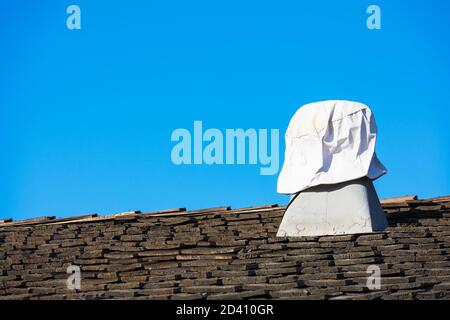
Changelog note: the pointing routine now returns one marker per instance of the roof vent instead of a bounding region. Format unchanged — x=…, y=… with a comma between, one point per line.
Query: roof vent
x=330, y=162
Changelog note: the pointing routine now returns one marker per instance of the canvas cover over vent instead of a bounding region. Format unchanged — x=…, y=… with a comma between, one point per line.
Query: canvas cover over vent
x=329, y=142
x=330, y=162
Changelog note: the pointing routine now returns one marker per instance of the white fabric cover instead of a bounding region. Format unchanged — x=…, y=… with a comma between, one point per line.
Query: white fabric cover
x=329, y=142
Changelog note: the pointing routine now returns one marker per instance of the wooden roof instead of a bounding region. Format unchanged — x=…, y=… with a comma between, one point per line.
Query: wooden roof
x=223, y=253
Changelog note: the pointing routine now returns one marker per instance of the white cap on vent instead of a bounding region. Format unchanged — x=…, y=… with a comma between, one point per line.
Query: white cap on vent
x=329, y=142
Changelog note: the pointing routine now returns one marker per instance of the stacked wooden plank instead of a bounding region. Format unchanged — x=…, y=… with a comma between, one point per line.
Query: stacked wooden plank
x=226, y=254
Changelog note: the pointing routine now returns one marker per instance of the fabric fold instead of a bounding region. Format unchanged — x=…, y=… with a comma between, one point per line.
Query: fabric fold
x=329, y=142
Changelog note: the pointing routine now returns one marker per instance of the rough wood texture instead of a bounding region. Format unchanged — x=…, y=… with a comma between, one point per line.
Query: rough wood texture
x=398, y=199
x=225, y=254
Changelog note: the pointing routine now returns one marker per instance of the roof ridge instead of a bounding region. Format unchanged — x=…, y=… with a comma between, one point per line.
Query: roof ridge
x=395, y=202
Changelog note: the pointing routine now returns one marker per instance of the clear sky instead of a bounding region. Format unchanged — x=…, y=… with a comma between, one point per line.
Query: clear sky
x=86, y=115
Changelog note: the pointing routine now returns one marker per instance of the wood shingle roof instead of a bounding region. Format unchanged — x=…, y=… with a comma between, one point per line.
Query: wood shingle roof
x=221, y=253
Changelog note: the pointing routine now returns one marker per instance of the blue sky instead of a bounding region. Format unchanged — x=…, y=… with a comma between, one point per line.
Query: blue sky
x=86, y=115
